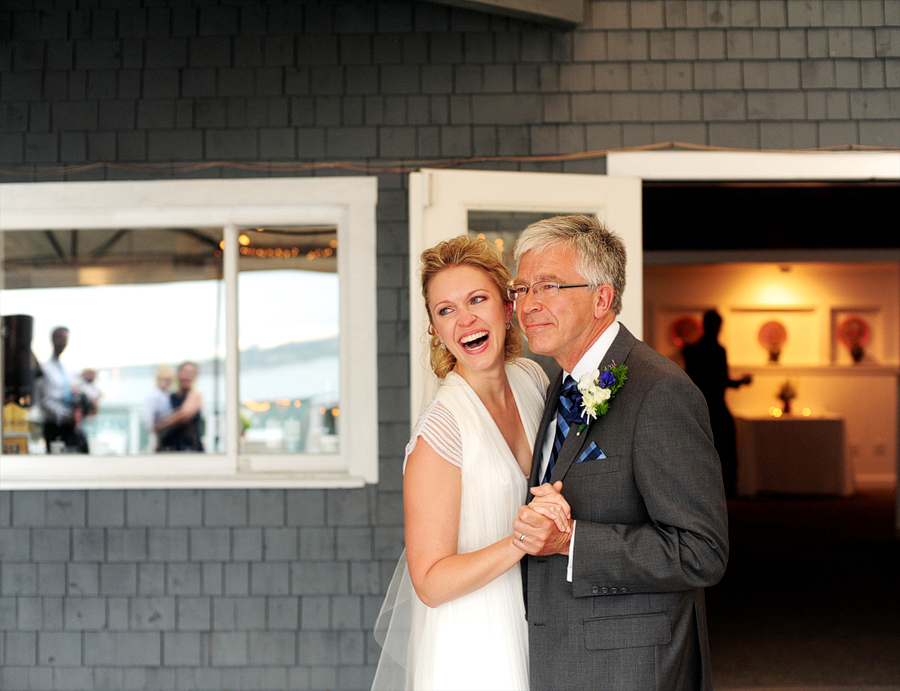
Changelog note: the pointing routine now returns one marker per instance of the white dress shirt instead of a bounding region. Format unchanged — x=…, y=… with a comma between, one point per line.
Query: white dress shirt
x=588, y=363
x=55, y=392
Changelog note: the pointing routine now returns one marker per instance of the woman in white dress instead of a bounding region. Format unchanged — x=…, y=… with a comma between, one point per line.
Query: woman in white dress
x=454, y=616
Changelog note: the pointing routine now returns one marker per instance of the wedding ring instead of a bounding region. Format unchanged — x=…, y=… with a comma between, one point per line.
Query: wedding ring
x=522, y=539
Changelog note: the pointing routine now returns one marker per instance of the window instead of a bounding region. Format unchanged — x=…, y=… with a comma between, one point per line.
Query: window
x=267, y=289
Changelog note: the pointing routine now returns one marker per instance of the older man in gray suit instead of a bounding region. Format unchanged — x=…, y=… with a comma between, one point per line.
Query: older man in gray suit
x=618, y=602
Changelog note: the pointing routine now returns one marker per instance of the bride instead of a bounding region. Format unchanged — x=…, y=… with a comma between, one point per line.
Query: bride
x=454, y=615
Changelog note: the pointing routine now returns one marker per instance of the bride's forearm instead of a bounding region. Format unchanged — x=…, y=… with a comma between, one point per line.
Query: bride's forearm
x=460, y=574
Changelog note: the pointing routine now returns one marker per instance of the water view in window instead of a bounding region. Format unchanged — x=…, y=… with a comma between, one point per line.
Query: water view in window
x=98, y=326
x=288, y=301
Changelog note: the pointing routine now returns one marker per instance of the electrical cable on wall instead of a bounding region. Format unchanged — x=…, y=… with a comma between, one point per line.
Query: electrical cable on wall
x=397, y=166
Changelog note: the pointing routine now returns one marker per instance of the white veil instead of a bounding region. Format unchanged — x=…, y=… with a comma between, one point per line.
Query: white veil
x=398, y=630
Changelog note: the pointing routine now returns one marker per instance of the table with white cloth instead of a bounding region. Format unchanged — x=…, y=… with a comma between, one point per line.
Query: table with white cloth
x=793, y=455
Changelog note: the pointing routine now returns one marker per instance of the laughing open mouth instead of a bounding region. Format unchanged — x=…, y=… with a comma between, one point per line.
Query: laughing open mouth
x=474, y=341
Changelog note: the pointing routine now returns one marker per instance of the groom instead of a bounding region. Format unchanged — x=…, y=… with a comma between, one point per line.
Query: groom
x=617, y=603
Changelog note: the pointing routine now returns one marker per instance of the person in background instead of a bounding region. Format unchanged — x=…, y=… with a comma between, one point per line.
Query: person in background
x=87, y=394
x=159, y=403
x=57, y=400
x=706, y=363
x=181, y=429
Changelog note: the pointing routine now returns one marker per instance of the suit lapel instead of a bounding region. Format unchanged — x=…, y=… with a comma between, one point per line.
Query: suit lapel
x=618, y=352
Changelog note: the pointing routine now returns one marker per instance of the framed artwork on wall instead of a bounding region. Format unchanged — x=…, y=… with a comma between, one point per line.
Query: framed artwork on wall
x=857, y=335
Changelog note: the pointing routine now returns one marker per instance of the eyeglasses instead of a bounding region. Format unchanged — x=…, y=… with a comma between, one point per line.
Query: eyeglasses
x=542, y=290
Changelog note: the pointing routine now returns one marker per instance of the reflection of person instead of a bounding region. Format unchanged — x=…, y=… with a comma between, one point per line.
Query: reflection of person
x=180, y=430
x=87, y=394
x=159, y=402
x=707, y=365
x=618, y=603
x=464, y=479
x=57, y=399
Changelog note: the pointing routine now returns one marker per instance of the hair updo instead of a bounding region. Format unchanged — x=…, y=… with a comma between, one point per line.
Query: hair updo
x=479, y=254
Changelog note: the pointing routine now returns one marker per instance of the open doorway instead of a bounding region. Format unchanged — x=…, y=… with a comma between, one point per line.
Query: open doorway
x=810, y=258
x=774, y=169
x=813, y=255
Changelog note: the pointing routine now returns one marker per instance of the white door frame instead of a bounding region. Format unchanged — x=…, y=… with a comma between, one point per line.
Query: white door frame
x=755, y=165
x=439, y=202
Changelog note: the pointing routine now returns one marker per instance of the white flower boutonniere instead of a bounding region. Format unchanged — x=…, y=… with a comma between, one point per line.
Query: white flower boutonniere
x=597, y=389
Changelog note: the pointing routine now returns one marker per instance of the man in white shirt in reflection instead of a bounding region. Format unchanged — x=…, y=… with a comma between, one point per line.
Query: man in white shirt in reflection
x=57, y=400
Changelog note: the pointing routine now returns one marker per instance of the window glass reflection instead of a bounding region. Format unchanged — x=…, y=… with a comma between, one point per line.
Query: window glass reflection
x=289, y=335
x=90, y=317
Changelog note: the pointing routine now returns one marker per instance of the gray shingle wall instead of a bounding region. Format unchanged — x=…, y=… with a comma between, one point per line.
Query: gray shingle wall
x=279, y=589
x=257, y=589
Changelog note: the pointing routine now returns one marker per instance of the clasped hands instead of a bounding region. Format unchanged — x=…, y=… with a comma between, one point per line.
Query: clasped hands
x=544, y=526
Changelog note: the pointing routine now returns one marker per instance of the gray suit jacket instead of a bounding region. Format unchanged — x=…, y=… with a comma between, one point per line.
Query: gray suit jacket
x=651, y=533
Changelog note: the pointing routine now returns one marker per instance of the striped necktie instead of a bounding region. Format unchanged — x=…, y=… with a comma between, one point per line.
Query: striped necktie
x=567, y=412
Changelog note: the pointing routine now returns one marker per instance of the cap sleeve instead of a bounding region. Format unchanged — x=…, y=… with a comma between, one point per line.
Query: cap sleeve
x=438, y=427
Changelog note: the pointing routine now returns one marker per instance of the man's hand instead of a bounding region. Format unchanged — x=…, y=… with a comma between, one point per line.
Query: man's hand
x=550, y=503
x=544, y=526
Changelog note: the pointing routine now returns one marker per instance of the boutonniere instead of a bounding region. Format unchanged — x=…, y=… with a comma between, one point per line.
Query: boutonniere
x=597, y=389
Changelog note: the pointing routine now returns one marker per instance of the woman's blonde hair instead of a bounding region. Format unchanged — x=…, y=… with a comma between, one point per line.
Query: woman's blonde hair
x=479, y=254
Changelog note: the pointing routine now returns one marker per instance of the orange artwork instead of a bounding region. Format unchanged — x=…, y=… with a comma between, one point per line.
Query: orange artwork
x=772, y=336
x=854, y=333
x=685, y=331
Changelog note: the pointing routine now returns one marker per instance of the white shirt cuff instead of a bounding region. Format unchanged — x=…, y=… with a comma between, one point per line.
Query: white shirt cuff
x=571, y=553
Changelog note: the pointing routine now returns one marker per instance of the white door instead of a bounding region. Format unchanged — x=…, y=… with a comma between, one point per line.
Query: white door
x=446, y=203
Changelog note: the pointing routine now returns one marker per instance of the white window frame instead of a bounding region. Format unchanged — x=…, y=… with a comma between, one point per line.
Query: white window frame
x=348, y=203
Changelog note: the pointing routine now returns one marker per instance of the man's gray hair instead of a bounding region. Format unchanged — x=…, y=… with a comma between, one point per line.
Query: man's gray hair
x=599, y=252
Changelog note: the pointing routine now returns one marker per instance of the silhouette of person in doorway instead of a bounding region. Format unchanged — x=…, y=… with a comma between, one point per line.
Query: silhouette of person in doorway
x=706, y=363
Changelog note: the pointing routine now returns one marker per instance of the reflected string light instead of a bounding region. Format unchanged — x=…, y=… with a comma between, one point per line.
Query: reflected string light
x=279, y=252
x=318, y=253
x=775, y=412
x=256, y=406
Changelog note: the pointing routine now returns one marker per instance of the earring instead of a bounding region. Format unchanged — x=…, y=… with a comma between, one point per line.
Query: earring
x=443, y=347
x=507, y=326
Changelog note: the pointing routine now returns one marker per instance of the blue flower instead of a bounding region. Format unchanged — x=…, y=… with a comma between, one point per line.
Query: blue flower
x=607, y=378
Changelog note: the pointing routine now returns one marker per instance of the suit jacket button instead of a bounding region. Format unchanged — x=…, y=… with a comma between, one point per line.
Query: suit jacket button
x=604, y=590
x=595, y=589
x=614, y=591
x=622, y=591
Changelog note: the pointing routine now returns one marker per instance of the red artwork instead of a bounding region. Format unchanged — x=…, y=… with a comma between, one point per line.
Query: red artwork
x=854, y=333
x=772, y=336
x=685, y=331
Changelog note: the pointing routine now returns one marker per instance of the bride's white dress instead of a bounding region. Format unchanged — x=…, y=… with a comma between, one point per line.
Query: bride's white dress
x=478, y=641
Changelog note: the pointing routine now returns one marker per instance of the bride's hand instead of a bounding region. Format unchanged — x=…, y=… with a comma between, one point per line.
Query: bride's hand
x=550, y=503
